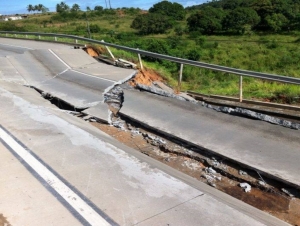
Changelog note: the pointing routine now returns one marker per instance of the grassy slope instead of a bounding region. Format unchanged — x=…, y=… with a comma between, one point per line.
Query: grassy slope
x=278, y=54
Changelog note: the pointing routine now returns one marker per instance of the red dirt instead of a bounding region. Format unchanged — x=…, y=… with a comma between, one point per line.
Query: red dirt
x=94, y=51
x=146, y=77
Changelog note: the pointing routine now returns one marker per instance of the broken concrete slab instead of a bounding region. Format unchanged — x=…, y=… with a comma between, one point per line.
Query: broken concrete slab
x=163, y=86
x=264, y=144
x=99, y=111
x=187, y=97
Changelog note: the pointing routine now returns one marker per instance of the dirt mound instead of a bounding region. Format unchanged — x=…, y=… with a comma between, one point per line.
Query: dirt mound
x=94, y=51
x=146, y=77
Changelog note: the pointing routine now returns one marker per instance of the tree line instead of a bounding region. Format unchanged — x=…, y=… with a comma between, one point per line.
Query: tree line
x=222, y=16
x=38, y=8
x=242, y=15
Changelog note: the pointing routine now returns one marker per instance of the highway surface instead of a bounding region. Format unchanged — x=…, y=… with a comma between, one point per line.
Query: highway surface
x=57, y=169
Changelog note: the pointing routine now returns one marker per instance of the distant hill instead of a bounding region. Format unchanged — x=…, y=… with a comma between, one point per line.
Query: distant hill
x=275, y=15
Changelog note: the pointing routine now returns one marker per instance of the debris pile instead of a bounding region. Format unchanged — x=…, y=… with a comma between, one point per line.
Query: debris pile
x=255, y=115
x=114, y=98
x=211, y=176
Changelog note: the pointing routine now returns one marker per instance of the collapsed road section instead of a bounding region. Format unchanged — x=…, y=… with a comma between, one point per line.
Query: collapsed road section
x=236, y=155
x=259, y=189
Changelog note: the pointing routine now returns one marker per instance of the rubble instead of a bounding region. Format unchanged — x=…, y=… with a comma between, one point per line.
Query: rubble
x=287, y=192
x=254, y=115
x=157, y=141
x=210, y=176
x=210, y=170
x=114, y=99
x=262, y=183
x=243, y=173
x=246, y=186
x=156, y=90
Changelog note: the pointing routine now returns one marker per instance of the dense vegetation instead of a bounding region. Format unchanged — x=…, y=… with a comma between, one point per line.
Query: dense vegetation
x=225, y=32
x=265, y=15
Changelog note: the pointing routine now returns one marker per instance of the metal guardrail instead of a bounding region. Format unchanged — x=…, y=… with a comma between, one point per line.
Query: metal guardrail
x=266, y=76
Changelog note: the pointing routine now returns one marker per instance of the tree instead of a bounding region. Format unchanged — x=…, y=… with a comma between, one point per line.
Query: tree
x=36, y=8
x=276, y=22
x=262, y=7
x=238, y=19
x=62, y=7
x=207, y=21
x=151, y=23
x=75, y=8
x=88, y=8
x=173, y=10
x=98, y=8
x=44, y=9
x=30, y=8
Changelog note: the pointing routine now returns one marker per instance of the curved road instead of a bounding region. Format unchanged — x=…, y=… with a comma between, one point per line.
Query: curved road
x=59, y=170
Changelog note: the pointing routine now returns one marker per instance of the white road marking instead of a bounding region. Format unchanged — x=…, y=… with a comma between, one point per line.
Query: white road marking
x=94, y=76
x=59, y=59
x=16, y=46
x=82, y=208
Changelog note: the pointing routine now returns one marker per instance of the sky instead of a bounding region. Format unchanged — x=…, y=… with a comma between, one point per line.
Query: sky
x=19, y=6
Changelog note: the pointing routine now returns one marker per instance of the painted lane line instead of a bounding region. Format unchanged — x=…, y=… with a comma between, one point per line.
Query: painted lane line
x=17, y=46
x=79, y=205
x=61, y=60
x=93, y=76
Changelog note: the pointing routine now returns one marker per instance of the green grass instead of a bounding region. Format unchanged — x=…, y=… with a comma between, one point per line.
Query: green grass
x=269, y=53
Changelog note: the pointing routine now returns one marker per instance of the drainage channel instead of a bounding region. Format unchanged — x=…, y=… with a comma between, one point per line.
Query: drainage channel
x=265, y=192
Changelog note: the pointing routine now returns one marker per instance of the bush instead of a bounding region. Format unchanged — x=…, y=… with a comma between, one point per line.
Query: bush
x=272, y=45
x=156, y=46
x=94, y=28
x=179, y=30
x=200, y=41
x=194, y=55
x=151, y=24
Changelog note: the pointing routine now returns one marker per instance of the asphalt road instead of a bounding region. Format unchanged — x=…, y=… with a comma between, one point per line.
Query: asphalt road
x=91, y=175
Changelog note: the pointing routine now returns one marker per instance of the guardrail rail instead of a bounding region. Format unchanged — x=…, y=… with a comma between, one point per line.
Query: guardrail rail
x=181, y=61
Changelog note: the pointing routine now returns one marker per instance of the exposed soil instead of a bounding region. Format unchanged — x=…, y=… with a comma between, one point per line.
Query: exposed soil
x=267, y=197
x=146, y=77
x=3, y=221
x=94, y=51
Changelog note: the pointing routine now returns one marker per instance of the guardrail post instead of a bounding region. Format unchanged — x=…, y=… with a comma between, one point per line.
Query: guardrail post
x=180, y=77
x=15, y=35
x=6, y=34
x=26, y=36
x=241, y=88
x=39, y=37
x=76, y=41
x=55, y=39
x=140, y=61
x=112, y=56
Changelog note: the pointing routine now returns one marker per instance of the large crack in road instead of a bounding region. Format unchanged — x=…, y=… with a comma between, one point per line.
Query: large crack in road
x=267, y=193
